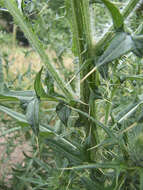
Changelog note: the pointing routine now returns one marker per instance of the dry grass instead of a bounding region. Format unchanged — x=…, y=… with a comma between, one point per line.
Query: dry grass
x=20, y=58
x=20, y=61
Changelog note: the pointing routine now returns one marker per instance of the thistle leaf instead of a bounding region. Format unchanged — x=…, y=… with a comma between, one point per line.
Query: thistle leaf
x=63, y=112
x=117, y=18
x=32, y=115
x=40, y=92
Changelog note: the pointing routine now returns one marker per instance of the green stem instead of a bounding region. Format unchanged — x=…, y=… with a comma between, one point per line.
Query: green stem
x=83, y=49
x=33, y=39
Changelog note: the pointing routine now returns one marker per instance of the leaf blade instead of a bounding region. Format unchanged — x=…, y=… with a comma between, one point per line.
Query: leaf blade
x=138, y=43
x=40, y=92
x=63, y=112
x=18, y=116
x=118, y=21
x=121, y=44
x=97, y=166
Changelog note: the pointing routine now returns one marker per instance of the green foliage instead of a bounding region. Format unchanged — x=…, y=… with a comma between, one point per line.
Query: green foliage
x=105, y=150
x=38, y=85
x=32, y=114
x=63, y=112
x=116, y=15
x=49, y=21
x=121, y=44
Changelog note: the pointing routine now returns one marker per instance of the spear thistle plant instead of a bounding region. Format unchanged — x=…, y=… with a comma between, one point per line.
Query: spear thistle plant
x=104, y=153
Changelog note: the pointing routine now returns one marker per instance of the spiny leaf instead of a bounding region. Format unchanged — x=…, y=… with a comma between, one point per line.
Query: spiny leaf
x=128, y=9
x=16, y=96
x=116, y=15
x=9, y=131
x=33, y=180
x=107, y=165
x=18, y=116
x=26, y=96
x=49, y=129
x=140, y=118
x=32, y=115
x=104, y=71
x=132, y=77
x=49, y=82
x=121, y=44
x=66, y=150
x=89, y=184
x=106, y=129
x=105, y=143
x=63, y=112
x=127, y=112
x=40, y=92
x=118, y=26
x=46, y=134
x=44, y=129
x=4, y=98
x=19, y=95
x=22, y=120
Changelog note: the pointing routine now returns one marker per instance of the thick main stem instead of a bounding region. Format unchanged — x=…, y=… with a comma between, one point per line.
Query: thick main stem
x=81, y=40
x=82, y=43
